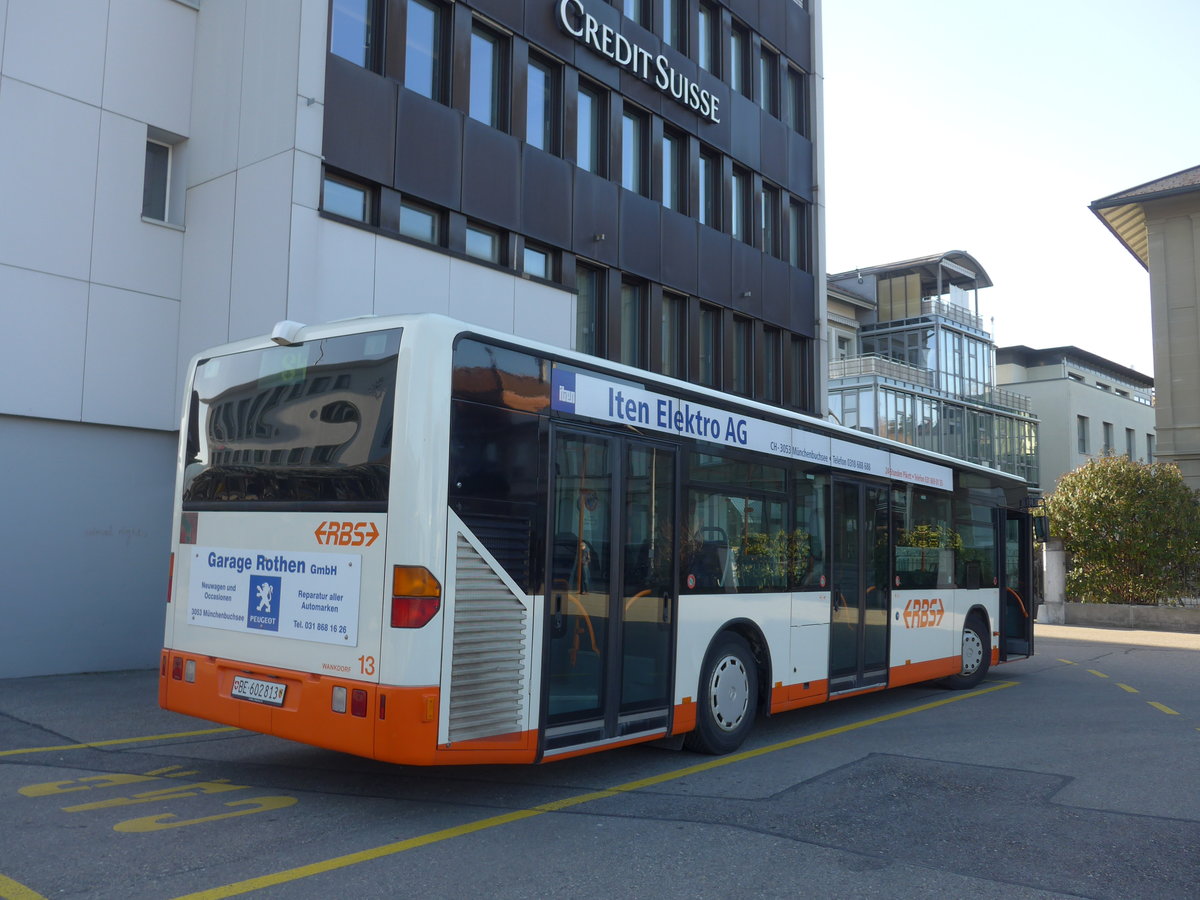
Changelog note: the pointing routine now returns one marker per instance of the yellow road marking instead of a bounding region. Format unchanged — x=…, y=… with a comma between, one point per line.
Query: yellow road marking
x=350, y=859
x=1097, y=674
x=1161, y=708
x=1127, y=688
x=116, y=741
x=14, y=890
x=1068, y=662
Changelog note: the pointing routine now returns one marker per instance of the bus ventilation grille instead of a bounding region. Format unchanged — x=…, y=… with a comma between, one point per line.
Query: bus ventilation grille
x=487, y=679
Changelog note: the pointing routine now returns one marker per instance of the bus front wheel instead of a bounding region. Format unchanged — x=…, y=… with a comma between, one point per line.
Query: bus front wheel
x=976, y=655
x=728, y=697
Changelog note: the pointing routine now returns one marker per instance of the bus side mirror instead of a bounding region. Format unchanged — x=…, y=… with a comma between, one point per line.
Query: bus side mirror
x=1041, y=529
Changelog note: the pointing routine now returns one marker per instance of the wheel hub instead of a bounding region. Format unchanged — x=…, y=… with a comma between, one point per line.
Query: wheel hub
x=730, y=693
x=972, y=652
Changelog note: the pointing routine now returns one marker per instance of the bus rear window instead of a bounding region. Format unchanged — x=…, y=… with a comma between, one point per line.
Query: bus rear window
x=293, y=427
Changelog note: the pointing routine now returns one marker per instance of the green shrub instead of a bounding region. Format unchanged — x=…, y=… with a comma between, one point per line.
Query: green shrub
x=1132, y=529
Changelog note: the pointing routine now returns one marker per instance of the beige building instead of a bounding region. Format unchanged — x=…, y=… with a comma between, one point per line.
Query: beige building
x=1159, y=223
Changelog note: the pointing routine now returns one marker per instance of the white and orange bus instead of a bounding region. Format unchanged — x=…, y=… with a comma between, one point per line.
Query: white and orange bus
x=419, y=541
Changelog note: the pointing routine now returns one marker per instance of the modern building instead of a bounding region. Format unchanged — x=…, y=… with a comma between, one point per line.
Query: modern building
x=1159, y=223
x=1086, y=405
x=911, y=360
x=635, y=179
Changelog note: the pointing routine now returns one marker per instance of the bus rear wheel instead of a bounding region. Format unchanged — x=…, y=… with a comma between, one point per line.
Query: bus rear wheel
x=728, y=698
x=976, y=655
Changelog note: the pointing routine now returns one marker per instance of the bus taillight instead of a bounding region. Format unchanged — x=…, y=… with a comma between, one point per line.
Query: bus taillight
x=416, y=596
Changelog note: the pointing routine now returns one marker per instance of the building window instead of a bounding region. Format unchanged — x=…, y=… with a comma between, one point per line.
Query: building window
x=1108, y=438
x=484, y=243
x=739, y=210
x=487, y=95
x=1149, y=448
x=674, y=33
x=1130, y=442
x=424, y=59
x=770, y=220
x=740, y=78
x=589, y=309
x=795, y=101
x=798, y=242
x=542, y=106
x=710, y=189
x=708, y=28
x=798, y=368
x=636, y=10
x=420, y=223
x=743, y=356
x=590, y=132
x=768, y=76
x=709, y=373
x=674, y=335
x=674, y=170
x=635, y=147
x=348, y=199
x=352, y=31
x=1081, y=434
x=772, y=383
x=156, y=188
x=633, y=324
x=536, y=261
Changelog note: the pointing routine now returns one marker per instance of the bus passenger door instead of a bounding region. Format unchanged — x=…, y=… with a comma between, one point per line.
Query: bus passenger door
x=610, y=592
x=859, y=601
x=1016, y=600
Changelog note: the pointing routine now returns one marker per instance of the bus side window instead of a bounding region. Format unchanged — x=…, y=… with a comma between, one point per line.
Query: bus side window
x=494, y=472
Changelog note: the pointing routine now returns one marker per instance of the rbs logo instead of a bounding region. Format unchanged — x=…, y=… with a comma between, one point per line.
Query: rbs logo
x=346, y=534
x=924, y=613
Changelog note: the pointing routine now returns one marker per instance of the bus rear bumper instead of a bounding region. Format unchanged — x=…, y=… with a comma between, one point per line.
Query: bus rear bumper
x=391, y=724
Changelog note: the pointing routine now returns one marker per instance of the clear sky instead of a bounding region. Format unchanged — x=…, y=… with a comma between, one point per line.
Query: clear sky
x=989, y=127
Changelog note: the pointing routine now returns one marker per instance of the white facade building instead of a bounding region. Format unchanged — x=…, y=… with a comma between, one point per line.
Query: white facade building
x=162, y=164
x=1088, y=406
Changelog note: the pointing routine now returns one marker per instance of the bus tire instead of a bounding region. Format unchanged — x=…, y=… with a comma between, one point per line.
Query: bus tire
x=727, y=700
x=976, y=655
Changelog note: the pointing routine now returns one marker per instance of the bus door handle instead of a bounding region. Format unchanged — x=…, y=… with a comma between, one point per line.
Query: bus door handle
x=667, y=599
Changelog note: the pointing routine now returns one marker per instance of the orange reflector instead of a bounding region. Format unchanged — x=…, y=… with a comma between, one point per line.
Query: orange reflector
x=416, y=596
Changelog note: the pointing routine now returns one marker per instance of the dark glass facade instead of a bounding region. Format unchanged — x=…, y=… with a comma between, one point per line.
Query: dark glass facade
x=689, y=173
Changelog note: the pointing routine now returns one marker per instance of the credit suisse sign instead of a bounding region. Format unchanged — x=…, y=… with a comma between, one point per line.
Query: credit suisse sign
x=654, y=69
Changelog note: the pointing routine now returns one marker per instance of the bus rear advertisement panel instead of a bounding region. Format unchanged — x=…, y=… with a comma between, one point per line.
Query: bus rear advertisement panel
x=306, y=596
x=413, y=540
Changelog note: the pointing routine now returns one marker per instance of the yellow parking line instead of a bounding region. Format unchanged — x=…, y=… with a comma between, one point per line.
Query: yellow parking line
x=14, y=890
x=114, y=742
x=1068, y=662
x=350, y=859
x=1161, y=708
x=1127, y=688
x=1097, y=674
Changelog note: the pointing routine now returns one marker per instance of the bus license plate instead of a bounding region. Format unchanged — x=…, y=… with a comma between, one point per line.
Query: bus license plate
x=268, y=692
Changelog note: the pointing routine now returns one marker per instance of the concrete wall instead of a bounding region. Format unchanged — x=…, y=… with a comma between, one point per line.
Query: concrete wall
x=1173, y=233
x=86, y=542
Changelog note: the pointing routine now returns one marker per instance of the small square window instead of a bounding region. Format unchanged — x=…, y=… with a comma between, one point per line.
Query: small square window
x=483, y=243
x=536, y=262
x=346, y=198
x=420, y=223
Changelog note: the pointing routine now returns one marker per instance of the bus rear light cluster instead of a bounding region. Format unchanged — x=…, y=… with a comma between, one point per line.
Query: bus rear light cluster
x=416, y=596
x=183, y=671
x=357, y=697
